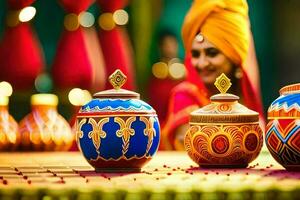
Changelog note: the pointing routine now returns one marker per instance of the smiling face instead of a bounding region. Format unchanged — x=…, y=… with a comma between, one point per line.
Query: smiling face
x=210, y=62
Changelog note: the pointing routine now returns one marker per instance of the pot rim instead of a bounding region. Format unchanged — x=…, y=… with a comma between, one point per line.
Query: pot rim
x=290, y=89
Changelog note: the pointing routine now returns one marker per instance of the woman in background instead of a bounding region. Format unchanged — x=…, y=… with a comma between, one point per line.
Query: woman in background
x=162, y=80
x=217, y=39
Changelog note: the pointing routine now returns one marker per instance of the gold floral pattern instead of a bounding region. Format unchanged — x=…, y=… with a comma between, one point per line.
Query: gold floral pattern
x=149, y=130
x=97, y=133
x=79, y=132
x=125, y=131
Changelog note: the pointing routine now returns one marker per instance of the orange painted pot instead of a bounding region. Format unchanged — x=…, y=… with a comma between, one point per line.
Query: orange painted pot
x=224, y=133
x=44, y=129
x=9, y=135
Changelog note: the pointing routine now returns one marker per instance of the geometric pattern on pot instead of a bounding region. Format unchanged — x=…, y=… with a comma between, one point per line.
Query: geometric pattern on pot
x=285, y=106
x=283, y=140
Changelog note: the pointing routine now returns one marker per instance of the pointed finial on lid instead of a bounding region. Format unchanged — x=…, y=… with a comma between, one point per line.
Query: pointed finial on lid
x=223, y=83
x=117, y=79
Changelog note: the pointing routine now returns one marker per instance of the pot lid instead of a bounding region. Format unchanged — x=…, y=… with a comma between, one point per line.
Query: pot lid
x=224, y=107
x=117, y=80
x=290, y=89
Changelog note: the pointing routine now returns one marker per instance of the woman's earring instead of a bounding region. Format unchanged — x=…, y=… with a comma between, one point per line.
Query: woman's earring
x=238, y=73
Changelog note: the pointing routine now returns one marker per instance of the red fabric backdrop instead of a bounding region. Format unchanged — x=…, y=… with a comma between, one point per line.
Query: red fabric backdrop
x=76, y=60
x=21, y=56
x=116, y=46
x=19, y=4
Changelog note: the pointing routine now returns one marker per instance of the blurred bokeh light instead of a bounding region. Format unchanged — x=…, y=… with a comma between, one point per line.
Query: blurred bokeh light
x=5, y=89
x=27, y=14
x=160, y=70
x=106, y=21
x=79, y=97
x=86, y=19
x=43, y=83
x=120, y=17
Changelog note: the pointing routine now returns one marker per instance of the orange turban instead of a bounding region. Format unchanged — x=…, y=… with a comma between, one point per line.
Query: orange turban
x=224, y=23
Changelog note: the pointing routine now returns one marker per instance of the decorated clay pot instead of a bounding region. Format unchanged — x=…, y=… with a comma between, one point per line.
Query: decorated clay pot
x=9, y=135
x=116, y=131
x=44, y=129
x=223, y=133
x=283, y=128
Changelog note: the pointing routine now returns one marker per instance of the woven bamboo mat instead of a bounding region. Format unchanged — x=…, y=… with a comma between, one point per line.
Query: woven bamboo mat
x=169, y=175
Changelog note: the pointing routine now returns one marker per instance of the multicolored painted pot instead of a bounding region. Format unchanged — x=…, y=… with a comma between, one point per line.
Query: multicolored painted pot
x=9, y=134
x=224, y=133
x=283, y=128
x=44, y=129
x=116, y=131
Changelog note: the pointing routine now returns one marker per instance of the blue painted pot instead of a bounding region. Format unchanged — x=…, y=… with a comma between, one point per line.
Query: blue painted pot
x=116, y=131
x=283, y=128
